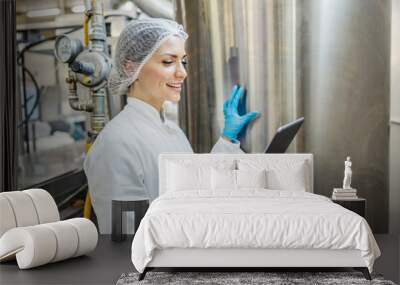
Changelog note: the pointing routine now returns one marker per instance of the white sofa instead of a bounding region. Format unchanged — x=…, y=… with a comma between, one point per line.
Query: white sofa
x=31, y=231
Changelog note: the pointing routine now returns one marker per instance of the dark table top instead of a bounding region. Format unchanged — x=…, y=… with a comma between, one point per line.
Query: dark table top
x=104, y=265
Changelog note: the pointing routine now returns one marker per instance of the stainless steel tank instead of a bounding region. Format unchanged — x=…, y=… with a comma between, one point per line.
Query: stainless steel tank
x=326, y=60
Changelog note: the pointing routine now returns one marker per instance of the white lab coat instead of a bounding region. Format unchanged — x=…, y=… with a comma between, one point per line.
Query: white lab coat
x=122, y=163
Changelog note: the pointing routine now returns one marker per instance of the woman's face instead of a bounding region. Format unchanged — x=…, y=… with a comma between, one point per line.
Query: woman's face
x=162, y=76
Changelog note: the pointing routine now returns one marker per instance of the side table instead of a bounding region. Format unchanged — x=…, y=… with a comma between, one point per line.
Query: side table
x=356, y=205
x=139, y=207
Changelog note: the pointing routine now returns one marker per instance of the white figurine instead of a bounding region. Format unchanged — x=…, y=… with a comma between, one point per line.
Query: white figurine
x=347, y=174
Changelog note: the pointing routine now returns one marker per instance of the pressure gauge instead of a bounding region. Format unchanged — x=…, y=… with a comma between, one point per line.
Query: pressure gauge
x=67, y=49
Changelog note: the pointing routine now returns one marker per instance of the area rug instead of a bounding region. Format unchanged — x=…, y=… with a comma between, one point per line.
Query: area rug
x=243, y=278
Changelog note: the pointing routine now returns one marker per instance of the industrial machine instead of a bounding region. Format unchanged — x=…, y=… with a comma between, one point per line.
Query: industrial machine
x=89, y=65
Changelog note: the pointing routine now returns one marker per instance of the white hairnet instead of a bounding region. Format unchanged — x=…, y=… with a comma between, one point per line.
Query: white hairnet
x=136, y=44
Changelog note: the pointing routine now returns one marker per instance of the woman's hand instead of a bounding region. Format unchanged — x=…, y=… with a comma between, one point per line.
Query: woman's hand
x=234, y=122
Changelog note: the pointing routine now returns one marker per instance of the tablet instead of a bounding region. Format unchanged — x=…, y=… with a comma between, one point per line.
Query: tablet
x=284, y=136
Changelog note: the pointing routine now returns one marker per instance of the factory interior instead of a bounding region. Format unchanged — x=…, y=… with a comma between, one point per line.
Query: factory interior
x=334, y=62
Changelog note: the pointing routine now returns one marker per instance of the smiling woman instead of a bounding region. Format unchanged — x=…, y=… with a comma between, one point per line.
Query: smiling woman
x=149, y=66
x=161, y=78
x=146, y=43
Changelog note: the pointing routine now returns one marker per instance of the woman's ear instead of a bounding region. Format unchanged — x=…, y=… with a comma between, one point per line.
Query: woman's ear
x=129, y=68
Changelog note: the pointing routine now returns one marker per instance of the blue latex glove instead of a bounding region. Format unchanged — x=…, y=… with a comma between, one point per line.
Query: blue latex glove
x=234, y=122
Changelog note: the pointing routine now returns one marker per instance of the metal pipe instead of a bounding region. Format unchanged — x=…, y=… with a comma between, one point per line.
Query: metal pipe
x=156, y=8
x=98, y=115
x=97, y=37
x=110, y=105
x=87, y=209
x=86, y=30
x=73, y=98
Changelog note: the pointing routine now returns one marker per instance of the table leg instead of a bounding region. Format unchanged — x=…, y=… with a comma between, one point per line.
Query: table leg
x=140, y=210
x=116, y=221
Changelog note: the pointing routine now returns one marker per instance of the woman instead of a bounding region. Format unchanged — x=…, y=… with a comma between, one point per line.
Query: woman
x=149, y=66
